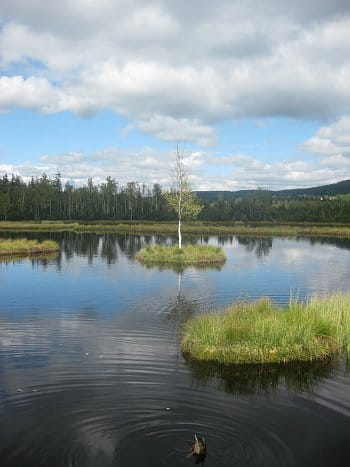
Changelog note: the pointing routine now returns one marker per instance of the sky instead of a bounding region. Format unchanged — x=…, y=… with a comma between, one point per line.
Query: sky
x=255, y=93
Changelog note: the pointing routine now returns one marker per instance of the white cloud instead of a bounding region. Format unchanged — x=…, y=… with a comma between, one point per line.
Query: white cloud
x=175, y=70
x=332, y=141
x=32, y=93
x=182, y=130
x=146, y=165
x=176, y=67
x=336, y=161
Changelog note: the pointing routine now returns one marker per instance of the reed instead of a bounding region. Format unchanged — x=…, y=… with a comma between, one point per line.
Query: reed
x=191, y=254
x=25, y=246
x=260, y=332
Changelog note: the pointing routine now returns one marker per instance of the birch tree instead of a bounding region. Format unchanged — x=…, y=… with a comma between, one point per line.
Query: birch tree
x=181, y=198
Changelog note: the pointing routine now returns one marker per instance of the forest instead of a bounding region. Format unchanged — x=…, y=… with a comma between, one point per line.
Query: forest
x=46, y=198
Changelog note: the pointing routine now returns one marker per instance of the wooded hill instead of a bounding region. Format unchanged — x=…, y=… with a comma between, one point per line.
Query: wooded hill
x=340, y=188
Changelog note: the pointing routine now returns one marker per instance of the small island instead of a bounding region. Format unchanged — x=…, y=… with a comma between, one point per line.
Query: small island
x=259, y=332
x=25, y=246
x=191, y=254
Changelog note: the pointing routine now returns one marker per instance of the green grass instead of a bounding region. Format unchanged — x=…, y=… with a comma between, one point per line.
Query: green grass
x=191, y=254
x=24, y=246
x=259, y=332
x=149, y=227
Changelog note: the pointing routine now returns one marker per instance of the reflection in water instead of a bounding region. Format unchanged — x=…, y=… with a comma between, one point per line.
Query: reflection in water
x=36, y=258
x=91, y=373
x=260, y=245
x=340, y=242
x=180, y=309
x=181, y=268
x=261, y=379
x=107, y=246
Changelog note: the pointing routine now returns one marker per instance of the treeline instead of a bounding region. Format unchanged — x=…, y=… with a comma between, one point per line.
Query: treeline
x=46, y=198
x=265, y=207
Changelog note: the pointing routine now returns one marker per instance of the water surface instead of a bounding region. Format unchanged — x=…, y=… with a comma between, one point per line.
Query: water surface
x=91, y=373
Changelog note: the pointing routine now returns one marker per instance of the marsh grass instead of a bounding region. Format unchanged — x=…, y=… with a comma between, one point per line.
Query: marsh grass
x=190, y=254
x=260, y=332
x=149, y=227
x=25, y=246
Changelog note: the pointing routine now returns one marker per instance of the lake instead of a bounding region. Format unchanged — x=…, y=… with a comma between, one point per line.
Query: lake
x=91, y=373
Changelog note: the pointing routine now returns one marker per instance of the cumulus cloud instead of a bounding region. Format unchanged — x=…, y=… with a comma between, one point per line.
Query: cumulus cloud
x=32, y=93
x=182, y=130
x=176, y=67
x=331, y=141
x=176, y=70
x=246, y=172
x=143, y=165
x=207, y=170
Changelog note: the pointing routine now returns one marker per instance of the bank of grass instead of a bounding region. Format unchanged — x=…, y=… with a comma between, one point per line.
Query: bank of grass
x=259, y=332
x=24, y=246
x=197, y=228
x=190, y=254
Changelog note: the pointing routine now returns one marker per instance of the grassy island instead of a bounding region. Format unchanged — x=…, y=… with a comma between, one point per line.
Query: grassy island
x=24, y=246
x=259, y=332
x=191, y=254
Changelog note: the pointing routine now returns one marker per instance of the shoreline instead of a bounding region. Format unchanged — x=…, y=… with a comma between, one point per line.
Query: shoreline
x=194, y=228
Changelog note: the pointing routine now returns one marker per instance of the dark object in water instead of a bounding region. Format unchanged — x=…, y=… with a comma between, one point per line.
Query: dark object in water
x=199, y=449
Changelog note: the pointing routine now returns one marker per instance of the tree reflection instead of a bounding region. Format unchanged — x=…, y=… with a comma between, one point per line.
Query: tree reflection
x=108, y=246
x=260, y=245
x=298, y=377
x=42, y=259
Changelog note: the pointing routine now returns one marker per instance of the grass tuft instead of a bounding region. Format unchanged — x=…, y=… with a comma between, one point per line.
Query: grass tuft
x=25, y=246
x=260, y=332
x=191, y=254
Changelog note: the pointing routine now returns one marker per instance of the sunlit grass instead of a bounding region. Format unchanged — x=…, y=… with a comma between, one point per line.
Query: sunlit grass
x=22, y=245
x=191, y=254
x=260, y=332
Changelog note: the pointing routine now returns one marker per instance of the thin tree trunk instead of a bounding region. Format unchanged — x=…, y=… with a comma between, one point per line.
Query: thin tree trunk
x=179, y=233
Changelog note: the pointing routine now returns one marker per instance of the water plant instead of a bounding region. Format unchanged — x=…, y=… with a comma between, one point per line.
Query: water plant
x=25, y=246
x=190, y=254
x=260, y=332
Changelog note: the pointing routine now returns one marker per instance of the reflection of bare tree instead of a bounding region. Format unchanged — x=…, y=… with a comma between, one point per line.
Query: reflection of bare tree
x=179, y=308
x=261, y=245
x=261, y=379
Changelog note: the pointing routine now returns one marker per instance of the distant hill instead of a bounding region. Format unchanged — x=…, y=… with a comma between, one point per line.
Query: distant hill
x=340, y=188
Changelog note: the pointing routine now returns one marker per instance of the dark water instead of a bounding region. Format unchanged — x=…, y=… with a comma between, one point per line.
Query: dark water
x=91, y=373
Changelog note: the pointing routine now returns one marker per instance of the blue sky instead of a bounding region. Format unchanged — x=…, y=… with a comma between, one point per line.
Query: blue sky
x=253, y=99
